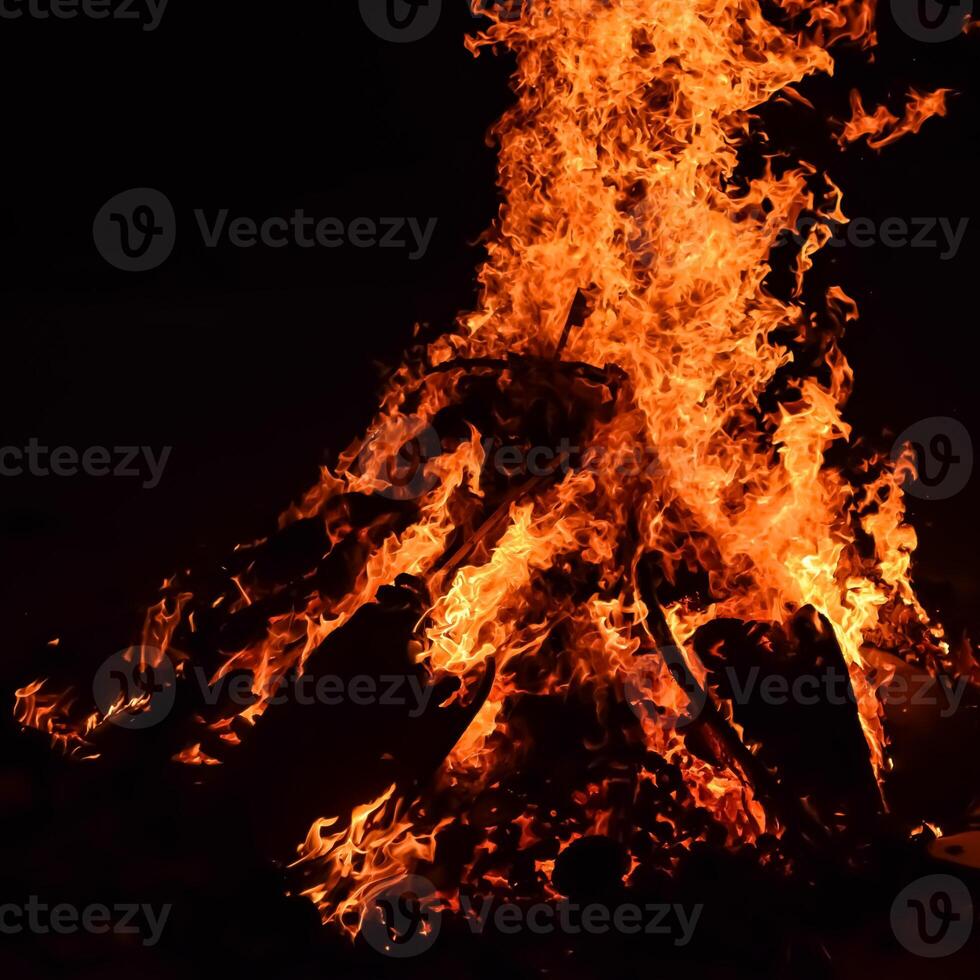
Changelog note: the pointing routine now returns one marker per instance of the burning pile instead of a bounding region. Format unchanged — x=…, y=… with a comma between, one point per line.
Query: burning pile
x=676, y=493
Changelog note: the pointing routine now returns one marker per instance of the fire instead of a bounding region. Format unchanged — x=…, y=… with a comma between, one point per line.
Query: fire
x=193, y=756
x=883, y=128
x=622, y=175
x=618, y=170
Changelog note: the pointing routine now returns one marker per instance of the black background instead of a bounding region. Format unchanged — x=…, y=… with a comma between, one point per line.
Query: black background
x=256, y=364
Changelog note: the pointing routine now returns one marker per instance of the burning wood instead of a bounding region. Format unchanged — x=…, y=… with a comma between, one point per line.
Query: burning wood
x=666, y=507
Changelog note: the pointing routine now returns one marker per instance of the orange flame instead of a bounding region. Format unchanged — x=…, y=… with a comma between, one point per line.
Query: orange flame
x=883, y=128
x=617, y=168
x=620, y=171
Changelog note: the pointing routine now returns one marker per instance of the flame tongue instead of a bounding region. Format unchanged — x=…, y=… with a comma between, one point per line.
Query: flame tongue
x=620, y=170
x=712, y=402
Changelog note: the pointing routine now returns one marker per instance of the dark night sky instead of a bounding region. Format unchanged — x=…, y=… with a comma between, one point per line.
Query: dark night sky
x=253, y=363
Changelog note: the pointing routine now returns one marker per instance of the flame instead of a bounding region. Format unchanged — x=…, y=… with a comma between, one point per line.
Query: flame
x=883, y=128
x=193, y=756
x=621, y=174
x=617, y=168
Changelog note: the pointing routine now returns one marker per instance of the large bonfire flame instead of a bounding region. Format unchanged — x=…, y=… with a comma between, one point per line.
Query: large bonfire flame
x=629, y=319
